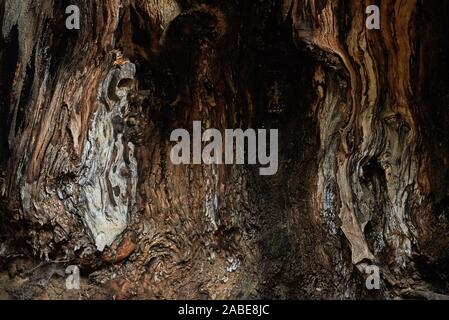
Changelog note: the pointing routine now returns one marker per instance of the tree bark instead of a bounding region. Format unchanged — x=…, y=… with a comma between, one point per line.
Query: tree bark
x=85, y=173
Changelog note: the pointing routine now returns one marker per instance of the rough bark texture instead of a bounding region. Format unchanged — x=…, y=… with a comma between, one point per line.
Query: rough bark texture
x=86, y=178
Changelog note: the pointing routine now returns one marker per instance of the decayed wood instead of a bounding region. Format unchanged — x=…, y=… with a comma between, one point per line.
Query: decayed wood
x=87, y=114
x=363, y=125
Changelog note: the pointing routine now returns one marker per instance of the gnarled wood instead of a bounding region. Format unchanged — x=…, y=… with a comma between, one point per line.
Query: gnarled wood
x=86, y=118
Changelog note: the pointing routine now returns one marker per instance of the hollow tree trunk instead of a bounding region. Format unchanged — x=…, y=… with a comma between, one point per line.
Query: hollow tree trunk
x=86, y=117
